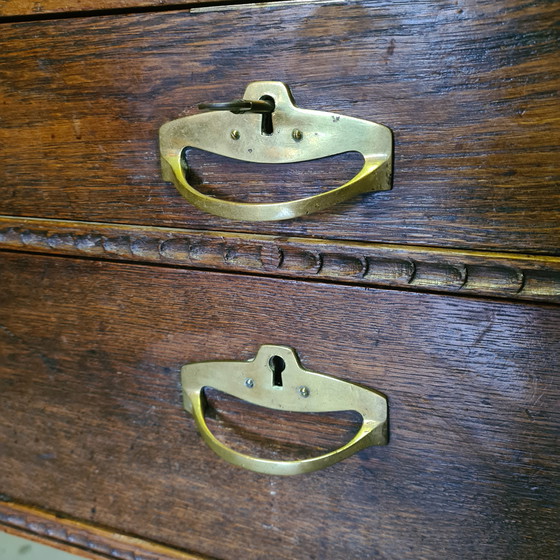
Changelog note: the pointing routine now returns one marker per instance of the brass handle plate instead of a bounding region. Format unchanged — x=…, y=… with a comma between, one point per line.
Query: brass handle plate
x=297, y=135
x=298, y=390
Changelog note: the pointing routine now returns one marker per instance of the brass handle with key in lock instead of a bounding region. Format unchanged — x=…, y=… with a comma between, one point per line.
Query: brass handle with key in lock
x=267, y=127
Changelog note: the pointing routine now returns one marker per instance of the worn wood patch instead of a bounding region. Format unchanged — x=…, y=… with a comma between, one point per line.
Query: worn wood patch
x=92, y=423
x=470, y=90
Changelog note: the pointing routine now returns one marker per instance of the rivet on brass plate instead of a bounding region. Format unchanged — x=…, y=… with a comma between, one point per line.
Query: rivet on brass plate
x=275, y=379
x=268, y=128
x=304, y=391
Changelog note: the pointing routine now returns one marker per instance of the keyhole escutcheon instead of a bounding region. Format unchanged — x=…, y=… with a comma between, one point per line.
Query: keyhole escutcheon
x=277, y=366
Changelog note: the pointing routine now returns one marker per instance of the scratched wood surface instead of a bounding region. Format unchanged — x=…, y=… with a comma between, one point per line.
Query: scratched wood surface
x=92, y=425
x=470, y=90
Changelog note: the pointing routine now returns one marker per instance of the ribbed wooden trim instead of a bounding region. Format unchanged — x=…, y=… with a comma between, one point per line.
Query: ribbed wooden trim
x=80, y=538
x=503, y=275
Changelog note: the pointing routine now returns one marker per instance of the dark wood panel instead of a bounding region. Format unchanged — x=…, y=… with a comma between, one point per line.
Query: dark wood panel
x=91, y=421
x=470, y=90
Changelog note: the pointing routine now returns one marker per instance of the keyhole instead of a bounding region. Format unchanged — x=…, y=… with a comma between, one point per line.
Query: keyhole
x=266, y=118
x=277, y=365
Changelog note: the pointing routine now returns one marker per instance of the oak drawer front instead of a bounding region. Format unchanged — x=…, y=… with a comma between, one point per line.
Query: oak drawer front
x=471, y=96
x=92, y=424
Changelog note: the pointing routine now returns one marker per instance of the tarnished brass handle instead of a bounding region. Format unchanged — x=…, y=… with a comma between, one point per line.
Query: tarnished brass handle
x=296, y=135
x=275, y=379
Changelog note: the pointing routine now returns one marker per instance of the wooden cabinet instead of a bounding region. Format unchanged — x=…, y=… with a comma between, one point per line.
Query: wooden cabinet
x=441, y=293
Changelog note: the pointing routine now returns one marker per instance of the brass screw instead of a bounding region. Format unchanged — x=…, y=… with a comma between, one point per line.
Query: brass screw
x=304, y=391
x=235, y=134
x=249, y=383
x=297, y=134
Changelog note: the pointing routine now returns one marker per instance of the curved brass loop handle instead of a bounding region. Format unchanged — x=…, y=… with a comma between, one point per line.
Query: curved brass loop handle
x=293, y=389
x=297, y=135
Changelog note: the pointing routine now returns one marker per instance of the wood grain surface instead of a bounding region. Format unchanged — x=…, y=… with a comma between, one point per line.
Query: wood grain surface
x=470, y=90
x=92, y=425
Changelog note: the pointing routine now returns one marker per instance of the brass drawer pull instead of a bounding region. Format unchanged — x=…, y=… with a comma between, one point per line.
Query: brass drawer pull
x=248, y=130
x=297, y=390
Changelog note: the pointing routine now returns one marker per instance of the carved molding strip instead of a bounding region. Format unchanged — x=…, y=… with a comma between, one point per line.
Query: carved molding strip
x=75, y=536
x=397, y=266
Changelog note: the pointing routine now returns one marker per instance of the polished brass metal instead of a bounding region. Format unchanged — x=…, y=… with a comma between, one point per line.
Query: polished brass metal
x=297, y=135
x=300, y=391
